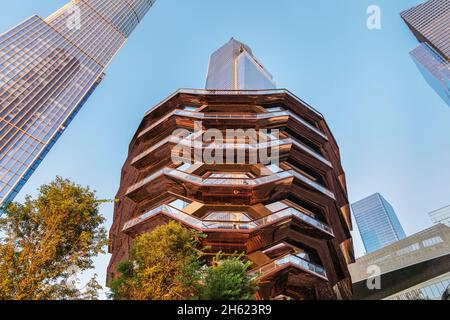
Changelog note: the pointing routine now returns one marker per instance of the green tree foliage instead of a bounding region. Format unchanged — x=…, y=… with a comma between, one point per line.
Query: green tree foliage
x=166, y=264
x=45, y=242
x=162, y=266
x=227, y=279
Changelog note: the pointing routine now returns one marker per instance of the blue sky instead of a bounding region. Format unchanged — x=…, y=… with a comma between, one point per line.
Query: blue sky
x=393, y=130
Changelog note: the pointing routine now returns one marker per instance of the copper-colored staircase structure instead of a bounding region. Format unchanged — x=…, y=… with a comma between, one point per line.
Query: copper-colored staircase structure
x=291, y=220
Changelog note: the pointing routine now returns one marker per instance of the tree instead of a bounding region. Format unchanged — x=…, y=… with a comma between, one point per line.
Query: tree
x=227, y=279
x=45, y=242
x=162, y=267
x=166, y=264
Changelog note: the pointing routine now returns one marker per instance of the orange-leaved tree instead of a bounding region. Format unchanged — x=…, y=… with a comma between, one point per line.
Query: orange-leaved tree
x=45, y=242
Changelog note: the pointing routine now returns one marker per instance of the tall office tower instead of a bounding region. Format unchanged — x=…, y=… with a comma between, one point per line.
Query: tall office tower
x=48, y=69
x=289, y=215
x=429, y=22
x=234, y=67
x=377, y=222
x=441, y=216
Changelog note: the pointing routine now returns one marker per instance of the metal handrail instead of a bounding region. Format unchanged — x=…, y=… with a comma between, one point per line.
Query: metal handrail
x=229, y=225
x=292, y=259
x=237, y=92
x=258, y=181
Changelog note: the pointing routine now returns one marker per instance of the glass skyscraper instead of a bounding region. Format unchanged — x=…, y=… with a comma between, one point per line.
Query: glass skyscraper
x=48, y=69
x=234, y=67
x=377, y=222
x=429, y=22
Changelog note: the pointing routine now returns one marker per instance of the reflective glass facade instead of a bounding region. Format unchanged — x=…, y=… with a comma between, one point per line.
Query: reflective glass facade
x=430, y=290
x=446, y=295
x=377, y=222
x=234, y=67
x=434, y=68
x=429, y=22
x=441, y=216
x=251, y=76
x=48, y=69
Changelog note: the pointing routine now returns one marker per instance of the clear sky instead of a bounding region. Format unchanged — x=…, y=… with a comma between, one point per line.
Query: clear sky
x=393, y=130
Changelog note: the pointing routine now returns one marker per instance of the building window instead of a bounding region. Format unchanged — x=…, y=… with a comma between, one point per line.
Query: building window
x=190, y=108
x=408, y=249
x=227, y=216
x=179, y=204
x=184, y=167
x=432, y=242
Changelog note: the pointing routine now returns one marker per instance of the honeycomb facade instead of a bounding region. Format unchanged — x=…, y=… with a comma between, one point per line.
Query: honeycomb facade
x=291, y=219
